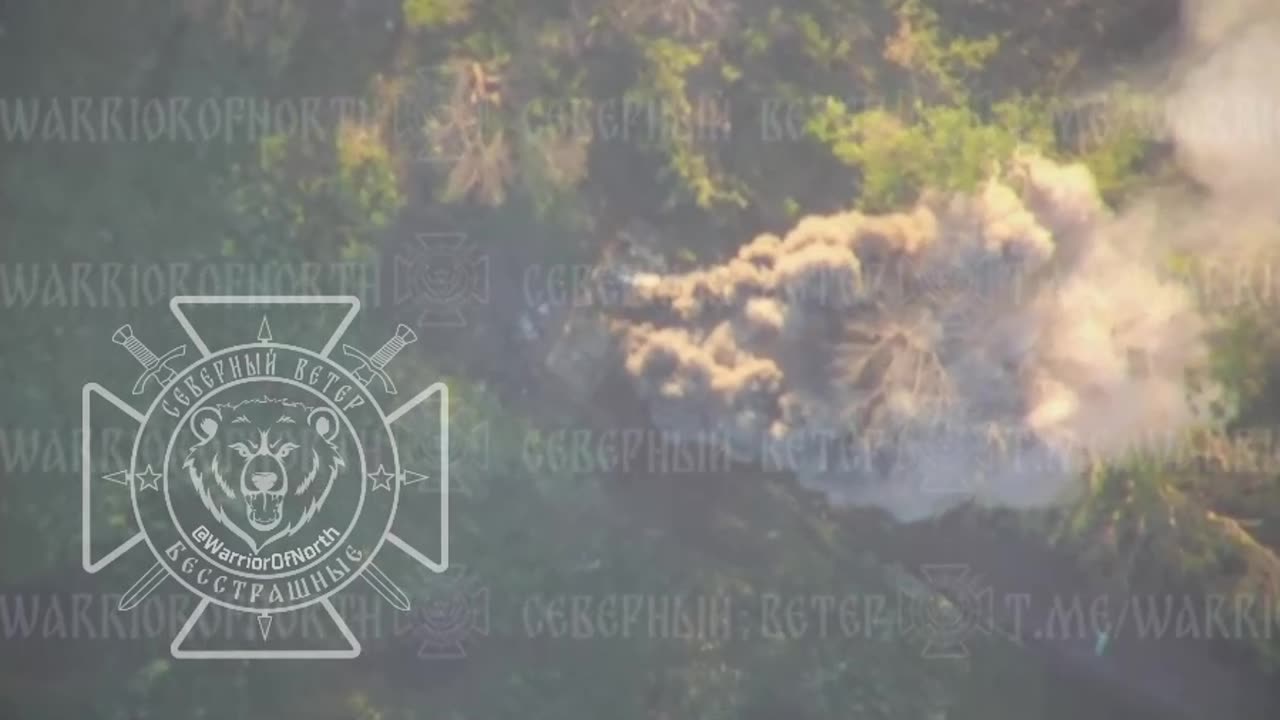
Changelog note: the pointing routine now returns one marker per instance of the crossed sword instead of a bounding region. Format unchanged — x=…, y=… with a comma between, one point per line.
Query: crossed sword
x=156, y=367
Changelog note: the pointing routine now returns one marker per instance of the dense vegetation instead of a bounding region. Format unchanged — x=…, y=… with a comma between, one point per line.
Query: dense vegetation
x=485, y=117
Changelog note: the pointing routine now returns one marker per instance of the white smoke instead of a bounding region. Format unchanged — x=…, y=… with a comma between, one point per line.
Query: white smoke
x=1225, y=112
x=980, y=347
x=968, y=348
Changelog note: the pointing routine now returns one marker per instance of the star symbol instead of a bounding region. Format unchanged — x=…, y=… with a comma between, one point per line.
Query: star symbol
x=381, y=479
x=150, y=479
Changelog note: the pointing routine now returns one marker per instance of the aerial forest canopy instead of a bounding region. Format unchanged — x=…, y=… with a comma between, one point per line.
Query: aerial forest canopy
x=820, y=359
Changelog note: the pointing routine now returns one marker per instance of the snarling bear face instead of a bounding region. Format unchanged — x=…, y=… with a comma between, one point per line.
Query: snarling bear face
x=263, y=467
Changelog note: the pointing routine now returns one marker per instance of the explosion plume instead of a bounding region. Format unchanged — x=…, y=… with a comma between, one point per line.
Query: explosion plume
x=981, y=347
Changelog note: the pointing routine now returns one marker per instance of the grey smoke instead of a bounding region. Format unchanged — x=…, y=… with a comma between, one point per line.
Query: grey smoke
x=1225, y=109
x=968, y=348
x=982, y=347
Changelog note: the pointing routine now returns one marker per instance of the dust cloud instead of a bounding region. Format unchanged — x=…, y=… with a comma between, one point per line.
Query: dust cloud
x=976, y=348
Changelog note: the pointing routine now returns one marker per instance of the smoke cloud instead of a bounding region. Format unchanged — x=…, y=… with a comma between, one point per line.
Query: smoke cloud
x=1225, y=110
x=981, y=347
